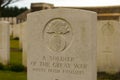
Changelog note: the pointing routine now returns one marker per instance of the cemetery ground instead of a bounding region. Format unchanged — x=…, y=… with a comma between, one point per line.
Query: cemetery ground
x=16, y=59
x=15, y=62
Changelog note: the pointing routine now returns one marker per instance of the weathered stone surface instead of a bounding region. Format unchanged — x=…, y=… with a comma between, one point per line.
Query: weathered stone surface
x=108, y=46
x=61, y=45
x=4, y=43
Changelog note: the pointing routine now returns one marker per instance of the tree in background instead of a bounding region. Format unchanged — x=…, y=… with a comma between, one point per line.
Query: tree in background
x=4, y=3
x=12, y=11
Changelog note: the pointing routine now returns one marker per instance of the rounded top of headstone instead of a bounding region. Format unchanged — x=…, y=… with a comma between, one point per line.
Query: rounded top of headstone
x=60, y=10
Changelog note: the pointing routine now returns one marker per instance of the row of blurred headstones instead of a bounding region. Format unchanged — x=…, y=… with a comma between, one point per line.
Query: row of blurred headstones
x=108, y=43
x=16, y=31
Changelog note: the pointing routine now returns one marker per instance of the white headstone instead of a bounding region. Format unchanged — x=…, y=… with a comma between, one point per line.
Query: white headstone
x=16, y=30
x=62, y=45
x=108, y=46
x=21, y=25
x=14, y=20
x=4, y=42
x=11, y=30
x=24, y=44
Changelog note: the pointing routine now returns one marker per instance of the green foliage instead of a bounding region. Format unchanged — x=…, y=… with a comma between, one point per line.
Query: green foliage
x=103, y=75
x=12, y=11
x=17, y=67
x=1, y=66
x=16, y=38
x=107, y=76
x=13, y=67
x=116, y=76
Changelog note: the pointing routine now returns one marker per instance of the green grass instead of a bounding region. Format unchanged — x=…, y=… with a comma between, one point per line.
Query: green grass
x=8, y=75
x=15, y=58
x=14, y=43
x=15, y=52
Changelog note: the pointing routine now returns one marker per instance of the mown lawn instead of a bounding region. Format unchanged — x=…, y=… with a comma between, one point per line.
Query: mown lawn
x=16, y=57
x=8, y=75
x=15, y=52
x=14, y=43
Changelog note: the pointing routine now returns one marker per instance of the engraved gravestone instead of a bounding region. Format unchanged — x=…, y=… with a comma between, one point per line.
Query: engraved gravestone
x=108, y=43
x=61, y=44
